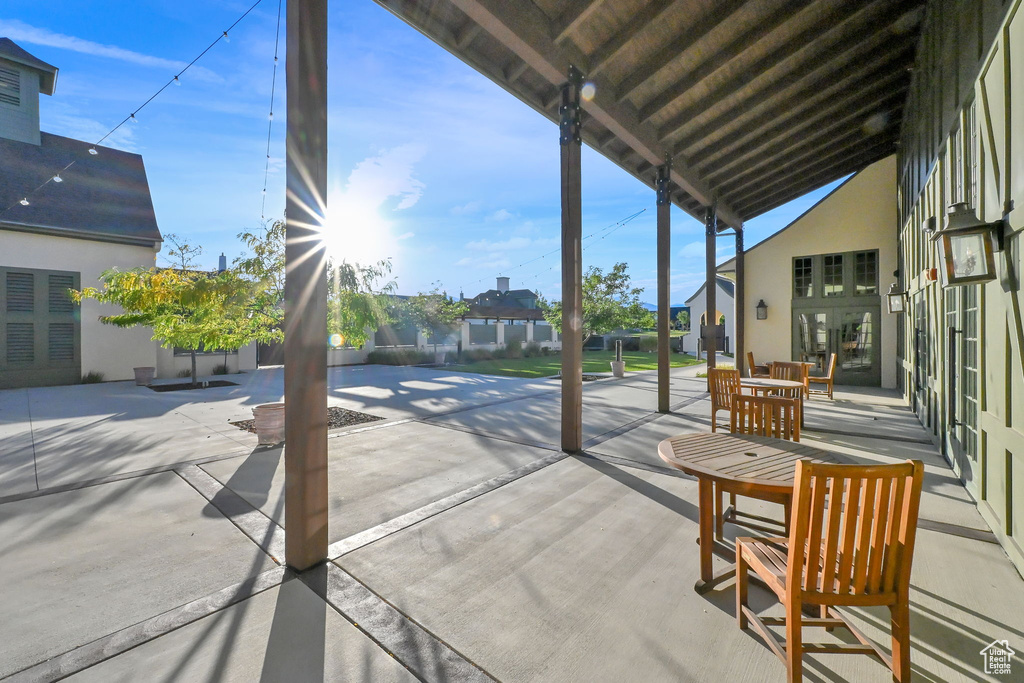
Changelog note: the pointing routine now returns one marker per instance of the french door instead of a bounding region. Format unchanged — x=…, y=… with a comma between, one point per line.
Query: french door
x=849, y=332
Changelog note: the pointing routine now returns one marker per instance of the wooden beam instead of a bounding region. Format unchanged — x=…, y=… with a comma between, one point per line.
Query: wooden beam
x=842, y=95
x=305, y=290
x=711, y=286
x=723, y=55
x=796, y=136
x=650, y=14
x=720, y=13
x=828, y=145
x=856, y=52
x=664, y=201
x=570, y=146
x=573, y=17
x=515, y=72
x=739, y=349
x=467, y=35
x=812, y=178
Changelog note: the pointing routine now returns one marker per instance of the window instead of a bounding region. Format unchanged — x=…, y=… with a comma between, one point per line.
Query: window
x=832, y=274
x=802, y=281
x=865, y=276
x=10, y=86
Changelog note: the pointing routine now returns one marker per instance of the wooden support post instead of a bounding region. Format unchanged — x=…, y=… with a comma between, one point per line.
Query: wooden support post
x=739, y=347
x=305, y=339
x=711, y=288
x=572, y=264
x=664, y=305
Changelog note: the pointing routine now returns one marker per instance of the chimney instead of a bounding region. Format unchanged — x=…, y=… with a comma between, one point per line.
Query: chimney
x=222, y=264
x=502, y=284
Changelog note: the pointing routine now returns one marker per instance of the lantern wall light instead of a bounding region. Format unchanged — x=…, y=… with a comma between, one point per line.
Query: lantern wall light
x=967, y=247
x=896, y=299
x=762, y=310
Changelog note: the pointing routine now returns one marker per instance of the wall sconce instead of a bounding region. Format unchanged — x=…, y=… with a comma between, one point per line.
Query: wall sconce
x=762, y=310
x=896, y=299
x=967, y=247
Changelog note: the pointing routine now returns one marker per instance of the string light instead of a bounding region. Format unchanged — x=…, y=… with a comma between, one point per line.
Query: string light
x=131, y=117
x=270, y=119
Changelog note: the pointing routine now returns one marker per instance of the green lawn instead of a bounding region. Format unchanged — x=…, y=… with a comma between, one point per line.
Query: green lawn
x=593, y=361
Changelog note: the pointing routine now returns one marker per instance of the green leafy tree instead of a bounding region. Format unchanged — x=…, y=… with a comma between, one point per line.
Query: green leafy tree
x=359, y=300
x=610, y=302
x=683, y=320
x=185, y=308
x=434, y=313
x=264, y=266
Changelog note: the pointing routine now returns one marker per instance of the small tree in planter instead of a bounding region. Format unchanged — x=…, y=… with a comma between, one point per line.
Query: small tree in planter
x=434, y=313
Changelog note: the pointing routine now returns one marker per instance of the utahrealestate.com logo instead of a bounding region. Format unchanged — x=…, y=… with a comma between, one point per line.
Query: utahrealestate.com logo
x=997, y=656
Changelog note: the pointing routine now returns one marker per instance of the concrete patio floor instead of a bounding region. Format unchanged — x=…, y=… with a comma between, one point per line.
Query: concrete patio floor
x=141, y=537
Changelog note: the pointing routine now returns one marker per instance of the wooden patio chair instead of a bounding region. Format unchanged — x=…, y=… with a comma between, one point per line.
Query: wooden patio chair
x=723, y=384
x=754, y=369
x=793, y=372
x=775, y=416
x=826, y=380
x=851, y=542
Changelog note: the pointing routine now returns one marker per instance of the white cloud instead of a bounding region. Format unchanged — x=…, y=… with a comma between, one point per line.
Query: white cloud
x=405, y=236
x=389, y=174
x=70, y=124
x=466, y=209
x=19, y=31
x=511, y=244
x=500, y=215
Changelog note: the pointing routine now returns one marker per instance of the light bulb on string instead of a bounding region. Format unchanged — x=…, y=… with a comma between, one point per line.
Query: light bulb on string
x=24, y=201
x=225, y=37
x=132, y=118
x=271, y=116
x=58, y=179
x=176, y=81
x=92, y=151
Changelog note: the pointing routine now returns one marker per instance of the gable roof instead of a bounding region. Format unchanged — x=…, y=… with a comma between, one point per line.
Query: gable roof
x=47, y=72
x=725, y=284
x=102, y=197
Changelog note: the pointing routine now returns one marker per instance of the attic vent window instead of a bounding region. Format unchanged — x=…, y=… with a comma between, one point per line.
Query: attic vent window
x=10, y=86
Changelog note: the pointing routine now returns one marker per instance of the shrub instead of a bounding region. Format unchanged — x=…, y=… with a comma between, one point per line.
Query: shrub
x=532, y=350
x=514, y=349
x=92, y=377
x=187, y=372
x=648, y=344
x=721, y=366
x=451, y=357
x=400, y=357
x=221, y=369
x=499, y=352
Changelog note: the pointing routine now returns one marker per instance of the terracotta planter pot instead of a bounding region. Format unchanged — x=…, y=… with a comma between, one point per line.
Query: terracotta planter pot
x=144, y=376
x=269, y=423
x=619, y=368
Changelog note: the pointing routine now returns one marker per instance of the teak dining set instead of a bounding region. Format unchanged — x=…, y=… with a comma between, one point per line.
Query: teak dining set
x=846, y=537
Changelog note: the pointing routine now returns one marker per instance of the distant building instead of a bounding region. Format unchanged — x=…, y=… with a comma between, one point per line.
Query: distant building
x=697, y=305
x=502, y=303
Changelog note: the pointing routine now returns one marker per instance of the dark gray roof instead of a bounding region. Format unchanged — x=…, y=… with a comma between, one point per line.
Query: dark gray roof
x=48, y=73
x=103, y=196
x=727, y=286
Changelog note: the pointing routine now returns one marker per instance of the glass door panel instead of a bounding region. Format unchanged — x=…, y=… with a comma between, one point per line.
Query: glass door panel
x=850, y=333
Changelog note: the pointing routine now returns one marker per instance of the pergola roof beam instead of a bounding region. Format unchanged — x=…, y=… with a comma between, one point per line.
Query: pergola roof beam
x=723, y=56
x=606, y=53
x=721, y=13
x=571, y=19
x=848, y=49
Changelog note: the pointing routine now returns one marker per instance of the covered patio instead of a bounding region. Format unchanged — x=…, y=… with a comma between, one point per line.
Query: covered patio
x=463, y=545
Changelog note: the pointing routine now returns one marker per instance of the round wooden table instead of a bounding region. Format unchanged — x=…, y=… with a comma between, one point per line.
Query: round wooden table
x=766, y=384
x=753, y=466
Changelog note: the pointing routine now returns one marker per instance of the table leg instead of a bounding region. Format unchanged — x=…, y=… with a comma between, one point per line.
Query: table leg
x=706, y=499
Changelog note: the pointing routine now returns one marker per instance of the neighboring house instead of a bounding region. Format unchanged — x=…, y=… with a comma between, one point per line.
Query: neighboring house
x=517, y=309
x=821, y=278
x=697, y=305
x=97, y=215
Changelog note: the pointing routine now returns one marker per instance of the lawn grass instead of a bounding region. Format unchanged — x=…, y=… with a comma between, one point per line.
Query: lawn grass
x=593, y=361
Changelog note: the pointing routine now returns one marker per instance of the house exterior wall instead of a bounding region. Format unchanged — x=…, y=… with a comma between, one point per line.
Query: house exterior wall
x=861, y=215
x=962, y=348
x=110, y=350
x=698, y=306
x=21, y=122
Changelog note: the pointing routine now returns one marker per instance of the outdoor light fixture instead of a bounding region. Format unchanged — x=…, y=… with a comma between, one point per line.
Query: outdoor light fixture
x=967, y=247
x=58, y=179
x=896, y=299
x=24, y=202
x=762, y=310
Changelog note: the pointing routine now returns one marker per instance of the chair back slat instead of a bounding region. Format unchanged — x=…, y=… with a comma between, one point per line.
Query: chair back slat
x=723, y=384
x=853, y=527
x=791, y=372
x=831, y=366
x=773, y=416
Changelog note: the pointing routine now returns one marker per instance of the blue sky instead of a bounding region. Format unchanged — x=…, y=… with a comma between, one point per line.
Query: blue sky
x=429, y=162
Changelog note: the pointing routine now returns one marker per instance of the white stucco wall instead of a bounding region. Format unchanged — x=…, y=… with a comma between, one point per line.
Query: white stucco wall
x=698, y=305
x=169, y=365
x=859, y=215
x=107, y=349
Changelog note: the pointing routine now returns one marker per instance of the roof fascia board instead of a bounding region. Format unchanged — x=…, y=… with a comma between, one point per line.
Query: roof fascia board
x=80, y=234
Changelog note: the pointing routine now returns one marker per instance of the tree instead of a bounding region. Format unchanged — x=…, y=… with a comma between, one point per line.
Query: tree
x=358, y=297
x=434, y=313
x=683, y=320
x=610, y=303
x=185, y=308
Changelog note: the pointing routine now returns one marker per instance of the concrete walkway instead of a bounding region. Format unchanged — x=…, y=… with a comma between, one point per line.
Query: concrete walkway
x=464, y=544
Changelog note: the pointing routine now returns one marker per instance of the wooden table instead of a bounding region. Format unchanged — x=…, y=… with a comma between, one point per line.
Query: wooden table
x=753, y=466
x=766, y=384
